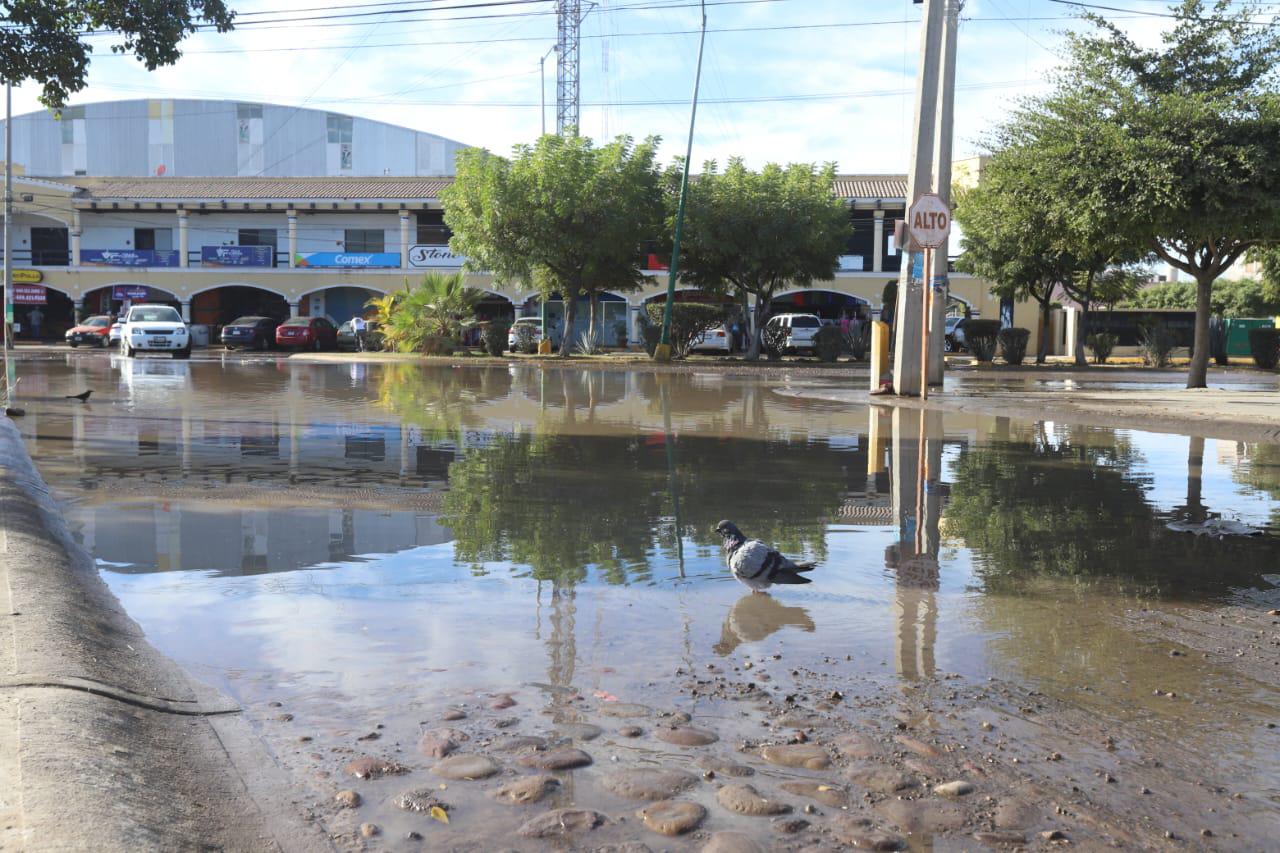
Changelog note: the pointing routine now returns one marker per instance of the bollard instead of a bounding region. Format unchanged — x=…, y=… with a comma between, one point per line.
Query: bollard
x=544, y=346
x=879, y=354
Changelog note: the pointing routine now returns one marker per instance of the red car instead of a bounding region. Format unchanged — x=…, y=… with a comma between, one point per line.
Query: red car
x=315, y=333
x=91, y=333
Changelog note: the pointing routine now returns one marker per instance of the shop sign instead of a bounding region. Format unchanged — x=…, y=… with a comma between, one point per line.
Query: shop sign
x=237, y=256
x=26, y=276
x=128, y=258
x=851, y=263
x=30, y=294
x=130, y=292
x=349, y=260
x=434, y=256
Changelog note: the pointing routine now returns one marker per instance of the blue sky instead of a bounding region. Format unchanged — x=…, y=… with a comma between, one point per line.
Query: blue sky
x=837, y=86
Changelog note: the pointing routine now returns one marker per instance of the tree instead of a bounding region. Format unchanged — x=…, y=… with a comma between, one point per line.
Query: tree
x=756, y=231
x=689, y=322
x=1174, y=150
x=1245, y=297
x=44, y=41
x=435, y=313
x=562, y=214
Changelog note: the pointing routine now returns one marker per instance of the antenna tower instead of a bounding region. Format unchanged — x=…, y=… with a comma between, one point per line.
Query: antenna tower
x=568, y=79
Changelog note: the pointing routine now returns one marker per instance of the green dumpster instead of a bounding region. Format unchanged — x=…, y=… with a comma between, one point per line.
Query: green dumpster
x=1238, y=335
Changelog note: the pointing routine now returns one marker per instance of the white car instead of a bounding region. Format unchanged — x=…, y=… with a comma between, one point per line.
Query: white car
x=713, y=340
x=535, y=322
x=799, y=330
x=154, y=328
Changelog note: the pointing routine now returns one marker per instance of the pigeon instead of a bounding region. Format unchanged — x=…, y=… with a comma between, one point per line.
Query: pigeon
x=755, y=563
x=83, y=396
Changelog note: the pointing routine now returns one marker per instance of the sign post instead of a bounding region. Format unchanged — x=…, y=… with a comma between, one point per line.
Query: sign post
x=930, y=224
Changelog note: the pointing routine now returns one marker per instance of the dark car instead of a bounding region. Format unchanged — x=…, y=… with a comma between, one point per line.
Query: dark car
x=251, y=332
x=315, y=333
x=372, y=337
x=92, y=332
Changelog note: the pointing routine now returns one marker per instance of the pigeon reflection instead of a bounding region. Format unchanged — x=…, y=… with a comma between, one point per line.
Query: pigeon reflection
x=754, y=617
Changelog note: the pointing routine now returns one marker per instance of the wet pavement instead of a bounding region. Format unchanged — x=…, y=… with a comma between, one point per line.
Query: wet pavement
x=465, y=574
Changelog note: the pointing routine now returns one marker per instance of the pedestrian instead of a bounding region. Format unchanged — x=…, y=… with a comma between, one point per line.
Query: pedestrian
x=35, y=318
x=358, y=328
x=735, y=333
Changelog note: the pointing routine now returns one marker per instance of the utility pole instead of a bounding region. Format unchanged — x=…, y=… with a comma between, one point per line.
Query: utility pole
x=911, y=290
x=8, y=253
x=568, y=80
x=542, y=87
x=942, y=171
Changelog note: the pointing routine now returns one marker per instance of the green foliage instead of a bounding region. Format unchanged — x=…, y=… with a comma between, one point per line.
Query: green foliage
x=1173, y=149
x=1155, y=343
x=431, y=318
x=981, y=337
x=752, y=232
x=589, y=344
x=1101, y=344
x=1013, y=344
x=828, y=343
x=773, y=339
x=494, y=337
x=689, y=321
x=44, y=42
x=1240, y=298
x=652, y=337
x=562, y=214
x=526, y=338
x=1264, y=345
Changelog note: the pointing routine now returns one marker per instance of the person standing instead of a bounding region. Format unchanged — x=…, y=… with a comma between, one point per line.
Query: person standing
x=358, y=328
x=36, y=319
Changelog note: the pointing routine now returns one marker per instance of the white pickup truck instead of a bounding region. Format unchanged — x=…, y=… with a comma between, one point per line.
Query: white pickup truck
x=154, y=328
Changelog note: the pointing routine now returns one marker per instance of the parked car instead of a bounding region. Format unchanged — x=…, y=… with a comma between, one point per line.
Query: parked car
x=113, y=334
x=372, y=337
x=315, y=333
x=718, y=339
x=536, y=322
x=155, y=328
x=799, y=329
x=253, y=332
x=92, y=332
x=954, y=339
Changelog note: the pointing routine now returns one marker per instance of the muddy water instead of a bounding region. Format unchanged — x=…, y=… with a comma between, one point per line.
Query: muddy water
x=360, y=553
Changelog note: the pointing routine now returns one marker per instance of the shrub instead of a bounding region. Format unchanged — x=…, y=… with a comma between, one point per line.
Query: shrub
x=828, y=343
x=437, y=345
x=652, y=335
x=526, y=338
x=494, y=337
x=1264, y=344
x=772, y=340
x=689, y=321
x=1155, y=343
x=1013, y=344
x=857, y=340
x=982, y=337
x=588, y=344
x=620, y=334
x=1101, y=345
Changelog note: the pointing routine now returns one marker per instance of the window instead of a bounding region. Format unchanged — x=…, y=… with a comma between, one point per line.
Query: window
x=340, y=129
x=431, y=228
x=257, y=237
x=153, y=314
x=364, y=240
x=156, y=239
x=805, y=323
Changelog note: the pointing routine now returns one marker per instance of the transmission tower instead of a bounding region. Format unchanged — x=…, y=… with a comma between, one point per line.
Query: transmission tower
x=568, y=80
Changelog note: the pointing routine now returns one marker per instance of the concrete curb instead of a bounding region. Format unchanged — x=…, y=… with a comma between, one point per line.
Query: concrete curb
x=104, y=742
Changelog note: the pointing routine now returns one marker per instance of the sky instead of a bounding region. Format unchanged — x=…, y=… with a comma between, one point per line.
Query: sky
x=783, y=80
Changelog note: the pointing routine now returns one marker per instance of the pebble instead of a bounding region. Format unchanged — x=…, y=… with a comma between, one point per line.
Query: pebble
x=882, y=779
x=986, y=727
x=672, y=817
x=857, y=832
x=561, y=823
x=370, y=736
x=580, y=731
x=466, y=767
x=1053, y=835
x=369, y=830
x=828, y=795
x=502, y=702
x=803, y=755
x=915, y=816
x=624, y=709
x=723, y=767
x=790, y=825
x=919, y=747
x=367, y=767
x=957, y=788
x=525, y=790
x=419, y=800
x=284, y=718
x=453, y=714
x=858, y=747
x=645, y=783
x=413, y=835
x=630, y=731
x=347, y=799
x=745, y=799
x=518, y=743
x=731, y=842
x=557, y=759
x=439, y=743
x=686, y=736
x=1016, y=814
x=1006, y=837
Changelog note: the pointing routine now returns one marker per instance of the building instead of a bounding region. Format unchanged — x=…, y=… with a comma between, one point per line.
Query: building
x=153, y=200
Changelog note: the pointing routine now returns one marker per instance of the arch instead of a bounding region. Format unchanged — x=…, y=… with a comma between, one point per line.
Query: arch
x=828, y=304
x=255, y=285
x=662, y=294
x=224, y=303
x=337, y=302
x=862, y=300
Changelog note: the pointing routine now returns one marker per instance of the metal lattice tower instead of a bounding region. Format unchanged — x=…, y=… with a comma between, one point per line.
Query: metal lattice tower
x=568, y=42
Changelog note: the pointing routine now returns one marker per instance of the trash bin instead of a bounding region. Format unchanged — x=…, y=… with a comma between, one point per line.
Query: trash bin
x=199, y=336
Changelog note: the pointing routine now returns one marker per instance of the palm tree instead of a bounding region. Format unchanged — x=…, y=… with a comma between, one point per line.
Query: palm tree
x=433, y=315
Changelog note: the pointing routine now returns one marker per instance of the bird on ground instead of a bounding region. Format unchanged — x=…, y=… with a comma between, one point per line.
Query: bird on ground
x=83, y=396
x=756, y=564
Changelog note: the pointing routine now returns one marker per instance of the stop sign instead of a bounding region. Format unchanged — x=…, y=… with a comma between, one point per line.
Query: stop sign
x=929, y=221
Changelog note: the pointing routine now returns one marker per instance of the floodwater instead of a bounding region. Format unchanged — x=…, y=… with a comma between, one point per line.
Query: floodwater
x=354, y=551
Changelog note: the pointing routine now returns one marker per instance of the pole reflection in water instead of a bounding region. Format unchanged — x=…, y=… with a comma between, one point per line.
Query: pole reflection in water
x=913, y=559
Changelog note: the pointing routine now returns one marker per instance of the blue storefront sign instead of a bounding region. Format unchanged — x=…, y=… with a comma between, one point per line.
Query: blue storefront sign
x=237, y=256
x=130, y=292
x=348, y=260
x=128, y=258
